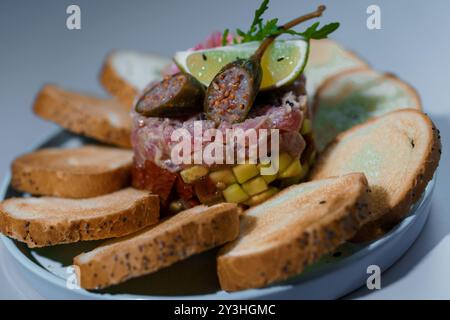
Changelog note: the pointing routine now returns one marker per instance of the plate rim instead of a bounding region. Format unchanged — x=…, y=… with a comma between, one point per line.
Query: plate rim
x=60, y=283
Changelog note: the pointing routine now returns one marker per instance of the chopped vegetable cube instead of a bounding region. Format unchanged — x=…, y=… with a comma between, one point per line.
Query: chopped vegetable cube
x=261, y=197
x=306, y=127
x=223, y=176
x=235, y=194
x=255, y=186
x=192, y=174
x=294, y=169
x=244, y=172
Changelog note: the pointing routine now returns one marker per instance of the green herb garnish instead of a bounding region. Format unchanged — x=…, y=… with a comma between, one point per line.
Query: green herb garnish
x=260, y=29
x=313, y=33
x=224, y=37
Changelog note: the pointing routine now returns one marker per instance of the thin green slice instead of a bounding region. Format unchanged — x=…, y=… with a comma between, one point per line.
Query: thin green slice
x=282, y=63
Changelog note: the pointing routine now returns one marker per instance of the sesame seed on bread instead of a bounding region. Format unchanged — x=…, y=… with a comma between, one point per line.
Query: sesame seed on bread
x=126, y=73
x=47, y=221
x=104, y=120
x=282, y=236
x=82, y=172
x=174, y=239
x=398, y=152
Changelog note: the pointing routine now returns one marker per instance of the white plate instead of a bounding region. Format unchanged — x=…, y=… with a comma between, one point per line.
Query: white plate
x=47, y=269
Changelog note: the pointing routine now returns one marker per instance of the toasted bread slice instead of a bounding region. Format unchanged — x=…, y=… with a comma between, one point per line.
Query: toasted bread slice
x=292, y=230
x=102, y=119
x=47, y=221
x=127, y=73
x=398, y=152
x=327, y=58
x=187, y=233
x=352, y=97
x=83, y=172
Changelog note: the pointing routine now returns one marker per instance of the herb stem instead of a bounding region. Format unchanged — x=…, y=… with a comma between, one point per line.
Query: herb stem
x=268, y=41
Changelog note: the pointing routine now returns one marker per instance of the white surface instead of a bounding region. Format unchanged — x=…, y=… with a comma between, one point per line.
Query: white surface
x=413, y=43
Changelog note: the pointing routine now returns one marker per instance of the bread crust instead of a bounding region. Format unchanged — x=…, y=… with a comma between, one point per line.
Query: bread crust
x=41, y=230
x=158, y=247
x=363, y=64
x=411, y=192
x=115, y=85
x=81, y=114
x=42, y=173
x=329, y=81
x=301, y=246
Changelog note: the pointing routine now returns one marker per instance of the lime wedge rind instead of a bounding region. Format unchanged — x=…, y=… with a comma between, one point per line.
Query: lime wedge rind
x=282, y=63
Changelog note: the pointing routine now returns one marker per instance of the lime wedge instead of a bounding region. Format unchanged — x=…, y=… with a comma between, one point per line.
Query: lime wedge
x=282, y=62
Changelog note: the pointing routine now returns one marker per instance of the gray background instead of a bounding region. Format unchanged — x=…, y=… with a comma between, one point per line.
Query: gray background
x=414, y=43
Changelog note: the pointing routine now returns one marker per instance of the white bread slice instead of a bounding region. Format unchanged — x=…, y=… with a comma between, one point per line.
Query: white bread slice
x=327, y=58
x=352, y=97
x=398, y=152
x=83, y=172
x=126, y=73
x=187, y=233
x=102, y=119
x=47, y=221
x=292, y=230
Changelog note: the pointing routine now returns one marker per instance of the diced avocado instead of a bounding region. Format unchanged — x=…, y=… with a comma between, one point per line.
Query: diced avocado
x=289, y=181
x=305, y=169
x=263, y=165
x=261, y=197
x=312, y=157
x=244, y=172
x=268, y=177
x=255, y=186
x=235, y=194
x=294, y=180
x=192, y=174
x=284, y=160
x=294, y=169
x=223, y=176
x=306, y=127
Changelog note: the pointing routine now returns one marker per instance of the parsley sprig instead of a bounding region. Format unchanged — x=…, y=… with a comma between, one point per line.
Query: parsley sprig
x=260, y=29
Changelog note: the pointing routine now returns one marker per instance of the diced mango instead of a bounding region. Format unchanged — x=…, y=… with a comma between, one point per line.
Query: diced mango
x=263, y=165
x=312, y=157
x=235, y=194
x=255, y=186
x=225, y=176
x=244, y=172
x=305, y=170
x=284, y=161
x=268, y=177
x=294, y=180
x=294, y=169
x=192, y=174
x=261, y=197
x=289, y=182
x=306, y=127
